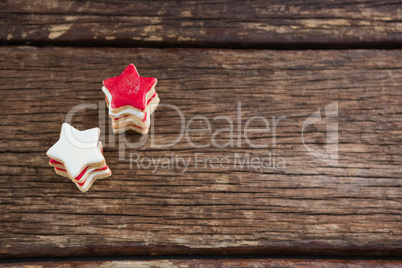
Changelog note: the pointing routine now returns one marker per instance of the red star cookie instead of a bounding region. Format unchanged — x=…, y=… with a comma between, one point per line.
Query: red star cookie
x=129, y=88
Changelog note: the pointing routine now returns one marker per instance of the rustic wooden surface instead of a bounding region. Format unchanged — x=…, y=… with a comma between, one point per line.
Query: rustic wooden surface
x=307, y=208
x=254, y=263
x=296, y=23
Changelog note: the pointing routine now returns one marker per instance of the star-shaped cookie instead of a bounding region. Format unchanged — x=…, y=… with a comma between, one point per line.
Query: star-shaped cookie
x=129, y=89
x=131, y=100
x=78, y=155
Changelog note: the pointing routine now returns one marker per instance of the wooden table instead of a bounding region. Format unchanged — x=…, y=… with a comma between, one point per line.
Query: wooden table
x=291, y=191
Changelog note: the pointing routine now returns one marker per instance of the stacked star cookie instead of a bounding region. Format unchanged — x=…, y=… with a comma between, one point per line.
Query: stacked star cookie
x=131, y=100
x=77, y=155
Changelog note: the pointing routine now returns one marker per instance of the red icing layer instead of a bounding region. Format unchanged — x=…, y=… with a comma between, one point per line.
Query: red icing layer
x=134, y=125
x=81, y=183
x=81, y=174
x=145, y=118
x=52, y=161
x=153, y=96
x=129, y=88
x=120, y=117
x=99, y=169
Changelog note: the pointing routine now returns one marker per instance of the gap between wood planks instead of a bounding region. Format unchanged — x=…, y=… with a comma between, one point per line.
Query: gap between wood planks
x=209, y=45
x=201, y=257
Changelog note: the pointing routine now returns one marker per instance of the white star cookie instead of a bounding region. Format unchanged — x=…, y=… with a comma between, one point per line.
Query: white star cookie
x=78, y=155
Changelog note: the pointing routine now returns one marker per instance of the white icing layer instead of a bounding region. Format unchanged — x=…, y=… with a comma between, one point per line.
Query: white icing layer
x=125, y=111
x=76, y=149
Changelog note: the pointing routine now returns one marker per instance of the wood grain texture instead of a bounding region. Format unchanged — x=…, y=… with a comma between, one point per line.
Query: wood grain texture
x=307, y=207
x=254, y=263
x=221, y=23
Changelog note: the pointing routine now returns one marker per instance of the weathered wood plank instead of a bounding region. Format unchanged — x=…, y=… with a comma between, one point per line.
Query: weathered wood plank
x=266, y=263
x=306, y=207
x=296, y=23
